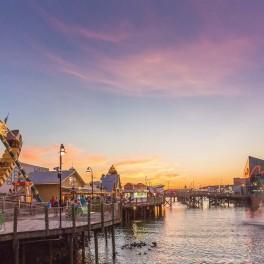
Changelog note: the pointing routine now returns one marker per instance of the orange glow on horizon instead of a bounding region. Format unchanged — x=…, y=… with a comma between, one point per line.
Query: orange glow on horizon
x=150, y=169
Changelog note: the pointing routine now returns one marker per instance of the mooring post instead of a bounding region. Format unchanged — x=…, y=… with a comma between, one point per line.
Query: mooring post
x=15, y=240
x=113, y=242
x=83, y=247
x=23, y=254
x=71, y=250
x=50, y=252
x=113, y=230
x=46, y=221
x=96, y=246
x=105, y=235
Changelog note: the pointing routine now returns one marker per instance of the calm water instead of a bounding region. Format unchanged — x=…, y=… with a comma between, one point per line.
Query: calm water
x=190, y=236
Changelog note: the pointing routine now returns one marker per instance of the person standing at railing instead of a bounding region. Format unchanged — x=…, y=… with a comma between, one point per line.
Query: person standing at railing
x=83, y=201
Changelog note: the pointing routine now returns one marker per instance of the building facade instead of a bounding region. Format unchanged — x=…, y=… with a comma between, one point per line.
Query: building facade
x=47, y=182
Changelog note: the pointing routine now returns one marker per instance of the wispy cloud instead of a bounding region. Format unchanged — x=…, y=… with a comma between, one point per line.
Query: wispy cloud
x=197, y=69
x=80, y=31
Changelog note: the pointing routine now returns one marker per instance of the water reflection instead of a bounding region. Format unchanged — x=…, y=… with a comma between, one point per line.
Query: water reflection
x=215, y=235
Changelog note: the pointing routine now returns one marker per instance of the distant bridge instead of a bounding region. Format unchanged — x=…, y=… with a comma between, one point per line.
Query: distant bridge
x=195, y=199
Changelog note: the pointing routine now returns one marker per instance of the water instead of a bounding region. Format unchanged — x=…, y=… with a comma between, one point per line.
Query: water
x=188, y=236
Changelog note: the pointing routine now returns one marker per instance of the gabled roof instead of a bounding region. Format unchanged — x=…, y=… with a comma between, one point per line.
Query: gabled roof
x=110, y=181
x=50, y=177
x=112, y=170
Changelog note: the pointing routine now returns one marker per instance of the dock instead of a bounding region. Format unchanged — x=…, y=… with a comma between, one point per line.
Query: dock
x=195, y=199
x=27, y=226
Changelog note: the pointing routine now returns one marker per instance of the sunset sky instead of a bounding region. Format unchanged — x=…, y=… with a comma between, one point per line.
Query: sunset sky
x=168, y=90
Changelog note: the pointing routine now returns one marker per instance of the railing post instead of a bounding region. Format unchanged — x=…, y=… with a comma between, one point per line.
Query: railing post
x=46, y=220
x=113, y=212
x=89, y=219
x=121, y=212
x=73, y=218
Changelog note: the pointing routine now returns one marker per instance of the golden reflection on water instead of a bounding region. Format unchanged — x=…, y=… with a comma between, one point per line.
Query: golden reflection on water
x=190, y=236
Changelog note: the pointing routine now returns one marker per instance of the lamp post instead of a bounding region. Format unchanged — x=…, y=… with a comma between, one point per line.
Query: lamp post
x=89, y=170
x=101, y=187
x=62, y=152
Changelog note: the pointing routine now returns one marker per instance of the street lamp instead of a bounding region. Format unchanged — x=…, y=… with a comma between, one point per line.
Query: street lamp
x=89, y=170
x=59, y=170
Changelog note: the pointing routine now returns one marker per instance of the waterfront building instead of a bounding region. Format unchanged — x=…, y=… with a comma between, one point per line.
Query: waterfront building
x=240, y=185
x=15, y=176
x=156, y=189
x=137, y=186
x=47, y=182
x=111, y=181
x=254, y=173
x=137, y=191
x=224, y=188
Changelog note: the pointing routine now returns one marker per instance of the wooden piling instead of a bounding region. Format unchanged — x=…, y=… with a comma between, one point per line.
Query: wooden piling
x=102, y=214
x=113, y=231
x=46, y=221
x=83, y=246
x=113, y=242
x=24, y=254
x=96, y=246
x=15, y=240
x=71, y=249
x=105, y=235
x=50, y=252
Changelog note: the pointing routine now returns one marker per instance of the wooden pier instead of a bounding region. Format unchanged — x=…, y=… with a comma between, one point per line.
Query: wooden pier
x=34, y=234
x=195, y=199
x=33, y=231
x=142, y=208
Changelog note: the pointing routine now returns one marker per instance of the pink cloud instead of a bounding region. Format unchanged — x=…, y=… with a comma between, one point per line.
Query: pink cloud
x=75, y=30
x=196, y=69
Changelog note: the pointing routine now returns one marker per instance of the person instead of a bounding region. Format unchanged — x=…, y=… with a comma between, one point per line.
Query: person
x=56, y=204
x=52, y=200
x=82, y=201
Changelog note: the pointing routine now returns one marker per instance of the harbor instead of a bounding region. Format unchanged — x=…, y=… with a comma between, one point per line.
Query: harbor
x=131, y=132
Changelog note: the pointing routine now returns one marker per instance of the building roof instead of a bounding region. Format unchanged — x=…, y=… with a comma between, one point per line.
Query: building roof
x=110, y=181
x=254, y=166
x=112, y=170
x=50, y=177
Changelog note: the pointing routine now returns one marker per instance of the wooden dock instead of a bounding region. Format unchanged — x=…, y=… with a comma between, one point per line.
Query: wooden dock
x=26, y=227
x=195, y=199
x=34, y=230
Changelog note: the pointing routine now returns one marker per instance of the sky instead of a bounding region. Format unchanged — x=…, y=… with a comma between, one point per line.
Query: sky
x=168, y=91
